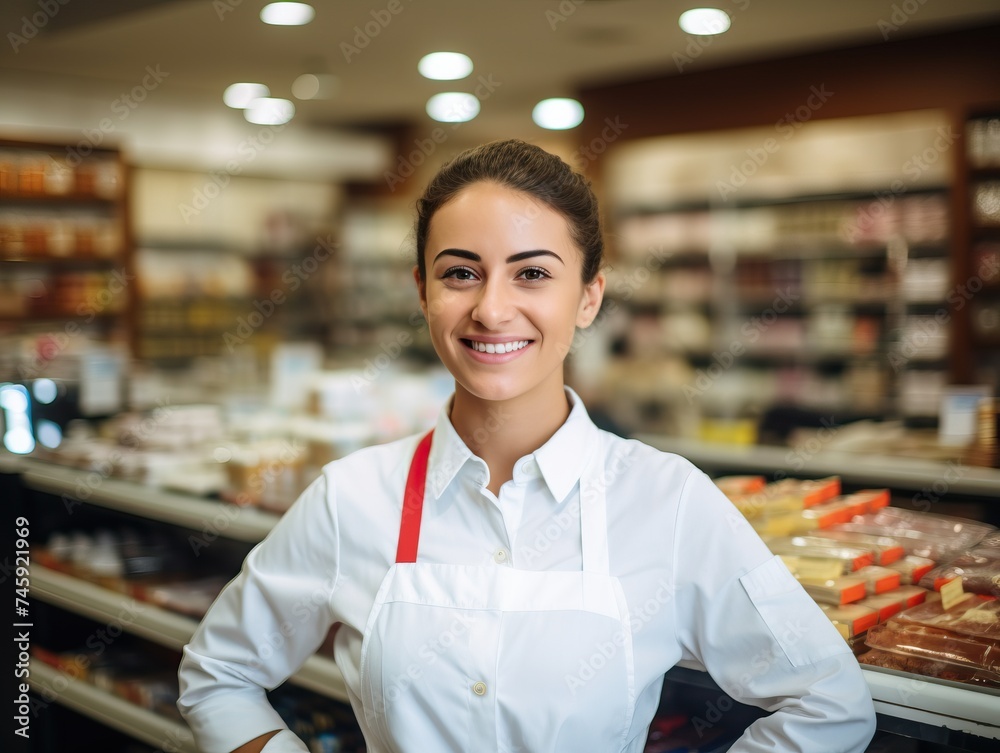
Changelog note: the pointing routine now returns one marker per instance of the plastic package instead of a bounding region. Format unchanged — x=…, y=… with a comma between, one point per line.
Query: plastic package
x=938, y=537
x=979, y=569
x=733, y=485
x=887, y=549
x=879, y=579
x=836, y=591
x=850, y=619
x=886, y=604
x=961, y=643
x=912, y=595
x=912, y=568
x=835, y=511
x=853, y=557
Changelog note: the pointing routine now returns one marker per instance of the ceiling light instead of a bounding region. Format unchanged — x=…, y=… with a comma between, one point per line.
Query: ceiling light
x=240, y=95
x=558, y=113
x=314, y=86
x=453, y=107
x=269, y=111
x=704, y=21
x=445, y=66
x=287, y=14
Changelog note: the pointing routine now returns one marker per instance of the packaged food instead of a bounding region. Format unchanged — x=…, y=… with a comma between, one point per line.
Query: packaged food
x=911, y=568
x=853, y=557
x=732, y=485
x=887, y=549
x=873, y=499
x=830, y=513
x=879, y=579
x=912, y=595
x=886, y=604
x=924, y=665
x=811, y=492
x=813, y=567
x=841, y=590
x=979, y=569
x=780, y=524
x=850, y=619
x=938, y=537
x=960, y=643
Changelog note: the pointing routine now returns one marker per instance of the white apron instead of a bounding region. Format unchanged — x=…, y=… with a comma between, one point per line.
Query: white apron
x=462, y=658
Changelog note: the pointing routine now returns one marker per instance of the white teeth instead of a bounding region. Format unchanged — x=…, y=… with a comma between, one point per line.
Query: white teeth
x=498, y=347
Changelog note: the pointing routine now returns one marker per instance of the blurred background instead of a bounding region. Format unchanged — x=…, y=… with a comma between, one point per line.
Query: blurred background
x=206, y=290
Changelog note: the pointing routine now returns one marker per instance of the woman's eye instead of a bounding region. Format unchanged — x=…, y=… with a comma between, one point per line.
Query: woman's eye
x=459, y=273
x=534, y=273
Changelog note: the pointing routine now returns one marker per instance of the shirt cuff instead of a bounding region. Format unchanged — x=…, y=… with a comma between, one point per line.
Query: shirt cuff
x=284, y=742
x=221, y=725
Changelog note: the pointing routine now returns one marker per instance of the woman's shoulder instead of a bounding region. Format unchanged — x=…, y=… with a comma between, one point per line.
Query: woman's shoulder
x=637, y=454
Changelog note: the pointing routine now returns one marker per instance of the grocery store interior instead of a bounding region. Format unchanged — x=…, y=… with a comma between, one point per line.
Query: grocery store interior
x=206, y=294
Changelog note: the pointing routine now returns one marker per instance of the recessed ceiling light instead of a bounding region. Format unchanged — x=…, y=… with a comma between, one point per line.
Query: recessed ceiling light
x=269, y=111
x=314, y=86
x=445, y=66
x=287, y=14
x=558, y=113
x=453, y=107
x=240, y=95
x=704, y=21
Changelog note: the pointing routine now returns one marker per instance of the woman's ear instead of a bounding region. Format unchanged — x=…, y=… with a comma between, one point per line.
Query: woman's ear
x=421, y=289
x=590, y=303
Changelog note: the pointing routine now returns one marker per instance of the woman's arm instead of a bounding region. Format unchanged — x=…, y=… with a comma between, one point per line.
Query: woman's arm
x=762, y=638
x=261, y=629
x=257, y=744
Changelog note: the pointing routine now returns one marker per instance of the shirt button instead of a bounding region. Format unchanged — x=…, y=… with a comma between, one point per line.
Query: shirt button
x=479, y=688
x=500, y=556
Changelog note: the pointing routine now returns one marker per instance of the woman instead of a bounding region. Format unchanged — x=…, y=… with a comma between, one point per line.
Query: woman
x=517, y=580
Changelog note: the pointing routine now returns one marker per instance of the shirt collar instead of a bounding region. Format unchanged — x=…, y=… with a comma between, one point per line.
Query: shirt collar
x=561, y=460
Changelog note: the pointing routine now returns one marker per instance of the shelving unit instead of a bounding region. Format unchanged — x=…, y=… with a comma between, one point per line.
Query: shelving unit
x=65, y=240
x=938, y=710
x=160, y=626
x=150, y=622
x=796, y=302
x=110, y=710
x=980, y=183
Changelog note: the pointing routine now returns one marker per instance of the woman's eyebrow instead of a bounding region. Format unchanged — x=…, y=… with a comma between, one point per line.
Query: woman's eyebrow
x=519, y=256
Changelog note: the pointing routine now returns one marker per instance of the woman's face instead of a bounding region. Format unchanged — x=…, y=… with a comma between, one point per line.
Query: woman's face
x=504, y=294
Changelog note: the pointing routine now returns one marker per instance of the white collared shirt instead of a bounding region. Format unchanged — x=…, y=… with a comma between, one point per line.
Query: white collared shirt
x=701, y=587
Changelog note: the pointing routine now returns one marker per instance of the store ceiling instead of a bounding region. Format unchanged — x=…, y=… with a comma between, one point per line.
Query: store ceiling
x=527, y=50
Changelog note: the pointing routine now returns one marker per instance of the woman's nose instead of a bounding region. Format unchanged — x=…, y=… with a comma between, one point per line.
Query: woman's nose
x=494, y=306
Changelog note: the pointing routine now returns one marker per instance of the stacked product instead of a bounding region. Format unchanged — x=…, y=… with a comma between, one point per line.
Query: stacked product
x=877, y=574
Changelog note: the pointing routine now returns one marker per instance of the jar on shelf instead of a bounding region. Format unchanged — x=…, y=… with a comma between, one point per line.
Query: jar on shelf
x=58, y=178
x=31, y=174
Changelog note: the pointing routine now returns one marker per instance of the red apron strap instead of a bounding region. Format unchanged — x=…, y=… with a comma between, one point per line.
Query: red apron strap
x=413, y=502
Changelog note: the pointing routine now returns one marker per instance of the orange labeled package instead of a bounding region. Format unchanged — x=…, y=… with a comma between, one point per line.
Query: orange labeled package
x=887, y=549
x=879, y=579
x=836, y=591
x=886, y=604
x=853, y=557
x=979, y=569
x=912, y=568
x=730, y=485
x=850, y=619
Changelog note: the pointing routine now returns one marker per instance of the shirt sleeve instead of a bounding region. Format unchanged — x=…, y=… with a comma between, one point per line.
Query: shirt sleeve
x=744, y=618
x=261, y=629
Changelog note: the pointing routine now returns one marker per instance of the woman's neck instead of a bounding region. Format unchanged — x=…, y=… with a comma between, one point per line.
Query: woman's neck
x=502, y=431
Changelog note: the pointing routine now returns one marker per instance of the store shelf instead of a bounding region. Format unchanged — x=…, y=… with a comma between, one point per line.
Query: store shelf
x=853, y=468
x=913, y=698
x=318, y=674
x=934, y=702
x=238, y=523
x=110, y=710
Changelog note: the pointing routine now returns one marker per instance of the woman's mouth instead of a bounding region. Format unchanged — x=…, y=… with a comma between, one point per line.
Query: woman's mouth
x=498, y=348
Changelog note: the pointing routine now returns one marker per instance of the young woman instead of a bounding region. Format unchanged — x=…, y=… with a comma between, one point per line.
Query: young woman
x=516, y=579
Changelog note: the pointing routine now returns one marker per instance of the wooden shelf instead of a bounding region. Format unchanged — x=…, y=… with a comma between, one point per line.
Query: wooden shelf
x=163, y=627
x=110, y=710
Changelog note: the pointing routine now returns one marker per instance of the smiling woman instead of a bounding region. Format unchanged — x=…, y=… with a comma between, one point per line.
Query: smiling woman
x=555, y=573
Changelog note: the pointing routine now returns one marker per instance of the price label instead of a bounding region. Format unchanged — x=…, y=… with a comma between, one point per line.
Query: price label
x=952, y=593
